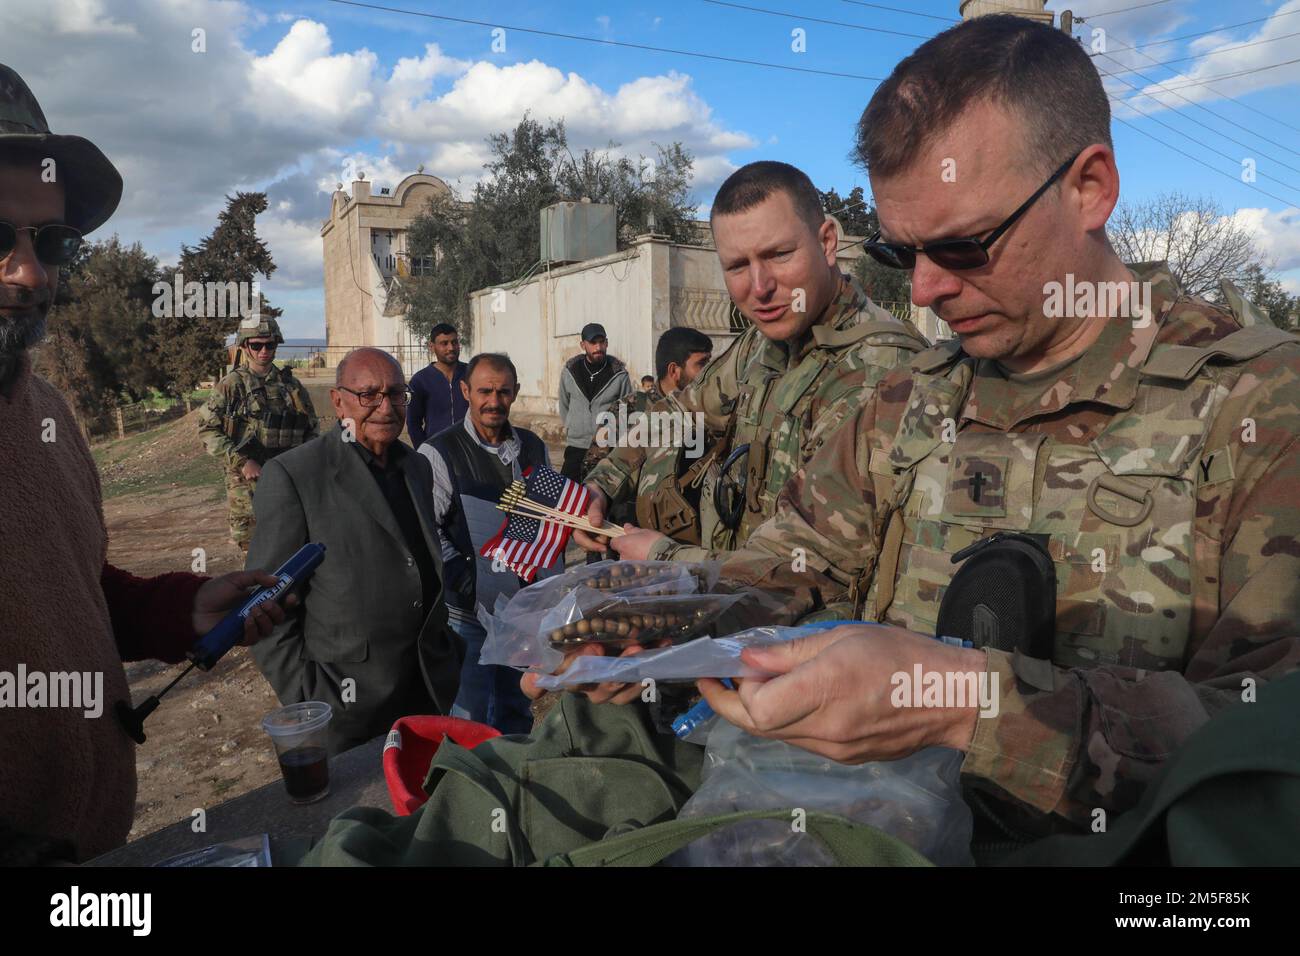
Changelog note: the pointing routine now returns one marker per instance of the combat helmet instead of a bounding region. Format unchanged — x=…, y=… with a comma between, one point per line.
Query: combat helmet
x=264, y=326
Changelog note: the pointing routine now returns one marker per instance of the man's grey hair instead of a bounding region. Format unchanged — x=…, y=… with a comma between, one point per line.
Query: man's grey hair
x=341, y=372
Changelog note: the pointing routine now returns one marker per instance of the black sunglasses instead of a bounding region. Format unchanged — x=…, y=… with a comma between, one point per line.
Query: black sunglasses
x=261, y=346
x=969, y=253
x=55, y=244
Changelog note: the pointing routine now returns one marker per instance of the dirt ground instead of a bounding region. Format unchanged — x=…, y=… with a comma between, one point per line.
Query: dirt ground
x=164, y=498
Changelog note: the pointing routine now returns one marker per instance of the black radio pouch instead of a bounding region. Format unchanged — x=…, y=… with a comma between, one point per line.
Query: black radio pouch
x=1003, y=597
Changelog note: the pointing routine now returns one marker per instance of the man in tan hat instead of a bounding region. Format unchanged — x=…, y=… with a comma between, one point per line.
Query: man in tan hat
x=67, y=618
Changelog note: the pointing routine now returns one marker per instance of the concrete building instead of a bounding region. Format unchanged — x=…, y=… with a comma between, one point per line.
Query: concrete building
x=1033, y=9
x=365, y=255
x=637, y=293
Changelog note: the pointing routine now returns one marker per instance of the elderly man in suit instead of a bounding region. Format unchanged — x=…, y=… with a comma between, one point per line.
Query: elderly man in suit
x=371, y=637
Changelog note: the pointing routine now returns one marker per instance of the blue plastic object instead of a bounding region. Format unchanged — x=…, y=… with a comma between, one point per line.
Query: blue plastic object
x=214, y=644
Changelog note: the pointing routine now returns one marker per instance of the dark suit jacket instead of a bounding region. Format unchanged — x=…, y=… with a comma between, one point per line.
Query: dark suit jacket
x=362, y=615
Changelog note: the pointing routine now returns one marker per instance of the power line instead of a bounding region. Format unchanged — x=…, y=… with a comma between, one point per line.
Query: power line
x=1223, y=76
x=800, y=16
x=1232, y=159
x=913, y=13
x=1206, y=125
x=1226, y=49
x=606, y=42
x=1197, y=159
x=1137, y=6
x=1205, y=33
x=1227, y=96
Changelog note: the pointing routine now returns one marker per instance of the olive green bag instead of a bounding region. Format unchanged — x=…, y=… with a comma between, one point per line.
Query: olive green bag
x=594, y=785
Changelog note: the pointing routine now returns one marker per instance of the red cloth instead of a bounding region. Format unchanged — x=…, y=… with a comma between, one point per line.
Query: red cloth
x=152, y=617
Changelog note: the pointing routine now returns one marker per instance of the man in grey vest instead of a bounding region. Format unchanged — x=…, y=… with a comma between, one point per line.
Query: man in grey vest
x=473, y=462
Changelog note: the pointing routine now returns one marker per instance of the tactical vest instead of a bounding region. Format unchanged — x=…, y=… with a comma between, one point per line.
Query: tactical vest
x=780, y=441
x=272, y=414
x=1117, y=515
x=477, y=486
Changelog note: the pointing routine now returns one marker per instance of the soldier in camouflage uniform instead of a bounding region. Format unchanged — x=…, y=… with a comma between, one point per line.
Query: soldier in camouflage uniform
x=680, y=356
x=255, y=413
x=1154, y=450
x=815, y=350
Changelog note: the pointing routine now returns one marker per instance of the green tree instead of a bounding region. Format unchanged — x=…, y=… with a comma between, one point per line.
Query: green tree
x=494, y=238
x=102, y=348
x=194, y=348
x=1268, y=294
x=858, y=217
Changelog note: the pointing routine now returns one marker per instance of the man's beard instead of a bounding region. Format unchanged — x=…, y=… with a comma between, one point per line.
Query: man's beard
x=20, y=332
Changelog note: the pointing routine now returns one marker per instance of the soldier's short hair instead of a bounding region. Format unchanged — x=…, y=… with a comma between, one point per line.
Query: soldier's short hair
x=442, y=328
x=1040, y=74
x=751, y=184
x=677, y=345
x=494, y=360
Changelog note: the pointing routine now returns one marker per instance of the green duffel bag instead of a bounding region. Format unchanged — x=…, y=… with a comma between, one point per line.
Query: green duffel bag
x=1230, y=796
x=594, y=785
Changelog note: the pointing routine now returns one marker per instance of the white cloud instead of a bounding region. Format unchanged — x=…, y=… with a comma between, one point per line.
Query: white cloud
x=302, y=78
x=89, y=17
x=1240, y=52
x=1277, y=234
x=304, y=111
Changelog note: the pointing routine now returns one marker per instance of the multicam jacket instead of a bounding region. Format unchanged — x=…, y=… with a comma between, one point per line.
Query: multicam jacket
x=1163, y=468
x=250, y=416
x=636, y=403
x=782, y=405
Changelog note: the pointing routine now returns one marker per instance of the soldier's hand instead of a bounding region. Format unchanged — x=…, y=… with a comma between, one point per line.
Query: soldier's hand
x=833, y=694
x=636, y=544
x=251, y=470
x=219, y=596
x=597, y=508
x=607, y=693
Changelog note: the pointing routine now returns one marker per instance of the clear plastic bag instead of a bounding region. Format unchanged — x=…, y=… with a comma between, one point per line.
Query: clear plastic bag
x=705, y=657
x=916, y=799
x=612, y=603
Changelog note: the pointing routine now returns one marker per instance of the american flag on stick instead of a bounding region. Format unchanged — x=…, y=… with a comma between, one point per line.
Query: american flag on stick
x=530, y=537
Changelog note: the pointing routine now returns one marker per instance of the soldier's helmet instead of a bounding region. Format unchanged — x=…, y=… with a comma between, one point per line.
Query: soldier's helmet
x=264, y=327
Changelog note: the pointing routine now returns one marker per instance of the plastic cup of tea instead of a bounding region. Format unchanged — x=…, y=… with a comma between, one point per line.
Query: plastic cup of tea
x=299, y=734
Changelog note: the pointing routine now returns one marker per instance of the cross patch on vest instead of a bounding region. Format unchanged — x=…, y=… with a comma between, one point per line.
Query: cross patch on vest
x=977, y=486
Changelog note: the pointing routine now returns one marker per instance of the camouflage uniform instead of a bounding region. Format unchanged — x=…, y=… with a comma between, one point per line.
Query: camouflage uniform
x=637, y=402
x=254, y=417
x=1163, y=466
x=782, y=405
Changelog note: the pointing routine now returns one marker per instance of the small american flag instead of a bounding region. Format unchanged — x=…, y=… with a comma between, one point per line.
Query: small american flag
x=525, y=543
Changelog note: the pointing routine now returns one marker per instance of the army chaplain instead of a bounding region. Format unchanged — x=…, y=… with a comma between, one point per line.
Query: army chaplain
x=1149, y=443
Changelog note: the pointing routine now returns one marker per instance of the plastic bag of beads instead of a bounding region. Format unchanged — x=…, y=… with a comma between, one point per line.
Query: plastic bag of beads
x=614, y=604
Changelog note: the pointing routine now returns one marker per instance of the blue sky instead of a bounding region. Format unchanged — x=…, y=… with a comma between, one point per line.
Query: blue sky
x=293, y=96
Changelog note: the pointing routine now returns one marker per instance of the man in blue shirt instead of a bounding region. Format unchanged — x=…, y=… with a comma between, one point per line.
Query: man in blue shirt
x=436, y=399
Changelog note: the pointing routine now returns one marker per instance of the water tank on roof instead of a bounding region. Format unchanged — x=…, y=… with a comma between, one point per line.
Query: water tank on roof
x=574, y=231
